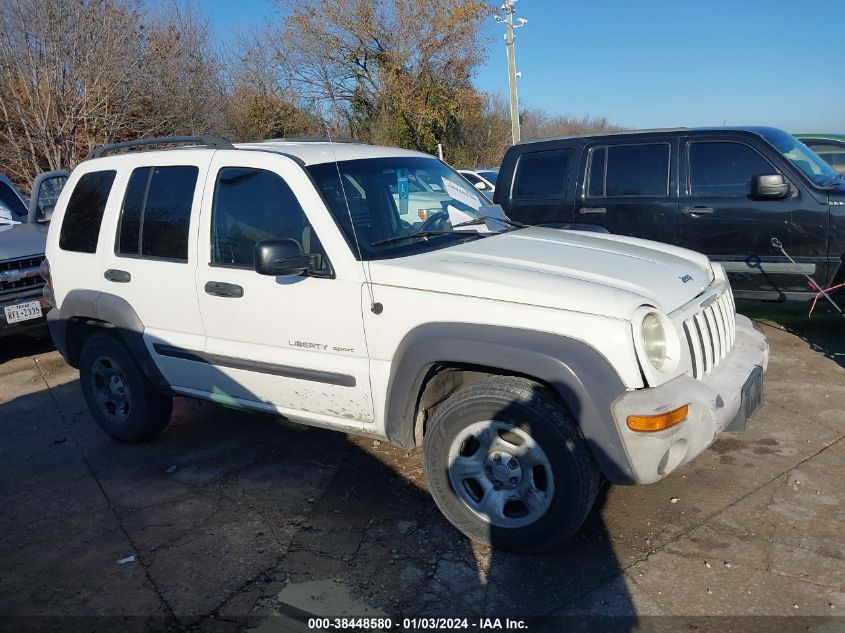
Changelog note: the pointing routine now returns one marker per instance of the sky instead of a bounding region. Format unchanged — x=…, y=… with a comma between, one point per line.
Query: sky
x=658, y=63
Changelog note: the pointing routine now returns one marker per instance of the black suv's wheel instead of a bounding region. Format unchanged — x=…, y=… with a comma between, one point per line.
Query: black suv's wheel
x=119, y=396
x=508, y=466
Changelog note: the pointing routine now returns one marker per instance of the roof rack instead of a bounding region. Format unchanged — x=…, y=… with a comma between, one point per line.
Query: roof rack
x=211, y=142
x=313, y=139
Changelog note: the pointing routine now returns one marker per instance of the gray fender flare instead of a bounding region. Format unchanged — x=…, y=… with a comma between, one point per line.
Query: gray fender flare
x=583, y=378
x=110, y=309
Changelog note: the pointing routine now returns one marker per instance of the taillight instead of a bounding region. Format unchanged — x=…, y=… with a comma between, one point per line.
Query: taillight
x=44, y=271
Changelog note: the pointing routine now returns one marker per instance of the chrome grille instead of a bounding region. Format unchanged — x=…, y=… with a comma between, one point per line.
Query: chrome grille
x=710, y=334
x=20, y=274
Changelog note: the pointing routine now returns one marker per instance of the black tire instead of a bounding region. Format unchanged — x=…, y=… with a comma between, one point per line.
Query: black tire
x=535, y=411
x=107, y=369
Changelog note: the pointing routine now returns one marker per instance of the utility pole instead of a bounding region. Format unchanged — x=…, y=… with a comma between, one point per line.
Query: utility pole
x=509, y=9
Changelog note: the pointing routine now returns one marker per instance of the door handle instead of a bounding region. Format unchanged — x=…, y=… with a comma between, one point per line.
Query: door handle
x=697, y=211
x=222, y=289
x=592, y=210
x=119, y=276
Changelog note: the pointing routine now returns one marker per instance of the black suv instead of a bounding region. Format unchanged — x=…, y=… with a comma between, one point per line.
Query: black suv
x=725, y=192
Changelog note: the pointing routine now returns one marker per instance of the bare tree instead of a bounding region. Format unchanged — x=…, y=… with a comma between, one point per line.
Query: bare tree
x=67, y=79
x=386, y=71
x=75, y=74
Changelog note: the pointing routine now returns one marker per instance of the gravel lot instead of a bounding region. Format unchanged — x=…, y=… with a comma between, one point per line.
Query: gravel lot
x=238, y=521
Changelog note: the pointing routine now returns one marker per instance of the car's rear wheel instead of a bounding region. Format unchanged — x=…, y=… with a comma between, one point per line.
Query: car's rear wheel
x=508, y=466
x=118, y=394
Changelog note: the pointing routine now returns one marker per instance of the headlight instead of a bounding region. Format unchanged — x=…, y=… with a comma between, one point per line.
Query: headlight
x=655, y=341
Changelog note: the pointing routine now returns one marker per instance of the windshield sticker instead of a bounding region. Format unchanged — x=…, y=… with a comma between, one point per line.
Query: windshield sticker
x=403, y=190
x=456, y=192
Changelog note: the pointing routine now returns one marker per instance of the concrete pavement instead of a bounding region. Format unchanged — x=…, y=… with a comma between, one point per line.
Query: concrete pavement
x=238, y=521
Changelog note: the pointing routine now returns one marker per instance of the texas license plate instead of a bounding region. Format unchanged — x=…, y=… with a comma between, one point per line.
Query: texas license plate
x=23, y=311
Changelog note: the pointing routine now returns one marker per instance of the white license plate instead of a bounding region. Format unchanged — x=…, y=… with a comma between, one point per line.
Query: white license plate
x=23, y=312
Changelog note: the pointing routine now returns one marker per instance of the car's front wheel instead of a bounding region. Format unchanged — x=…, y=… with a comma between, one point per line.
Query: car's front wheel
x=508, y=466
x=118, y=394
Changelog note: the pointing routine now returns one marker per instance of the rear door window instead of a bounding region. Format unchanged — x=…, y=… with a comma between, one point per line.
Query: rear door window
x=542, y=175
x=724, y=168
x=84, y=214
x=157, y=212
x=630, y=170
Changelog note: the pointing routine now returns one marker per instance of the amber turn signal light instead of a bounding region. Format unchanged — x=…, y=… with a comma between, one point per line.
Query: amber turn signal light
x=658, y=422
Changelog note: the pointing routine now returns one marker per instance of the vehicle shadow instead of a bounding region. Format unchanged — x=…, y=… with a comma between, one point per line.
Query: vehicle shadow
x=823, y=331
x=36, y=341
x=253, y=521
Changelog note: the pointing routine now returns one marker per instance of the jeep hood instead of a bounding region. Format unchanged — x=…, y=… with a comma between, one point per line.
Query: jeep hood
x=597, y=273
x=22, y=240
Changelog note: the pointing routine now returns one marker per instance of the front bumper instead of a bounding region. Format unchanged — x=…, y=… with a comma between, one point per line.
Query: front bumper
x=714, y=404
x=8, y=329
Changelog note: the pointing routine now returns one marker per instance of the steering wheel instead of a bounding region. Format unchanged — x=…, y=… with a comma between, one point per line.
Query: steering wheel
x=435, y=222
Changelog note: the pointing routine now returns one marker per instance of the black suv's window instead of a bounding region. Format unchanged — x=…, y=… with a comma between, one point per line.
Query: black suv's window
x=630, y=170
x=541, y=175
x=251, y=205
x=11, y=201
x=157, y=212
x=724, y=168
x=84, y=214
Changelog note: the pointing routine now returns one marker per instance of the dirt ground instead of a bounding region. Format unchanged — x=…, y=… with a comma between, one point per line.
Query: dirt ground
x=233, y=521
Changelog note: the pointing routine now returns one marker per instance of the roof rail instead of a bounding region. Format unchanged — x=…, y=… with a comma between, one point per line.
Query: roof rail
x=211, y=142
x=313, y=139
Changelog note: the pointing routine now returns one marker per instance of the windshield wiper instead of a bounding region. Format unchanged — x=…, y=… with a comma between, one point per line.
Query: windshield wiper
x=411, y=236
x=483, y=220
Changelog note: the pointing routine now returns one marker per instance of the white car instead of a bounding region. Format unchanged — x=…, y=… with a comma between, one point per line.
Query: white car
x=482, y=178
x=528, y=363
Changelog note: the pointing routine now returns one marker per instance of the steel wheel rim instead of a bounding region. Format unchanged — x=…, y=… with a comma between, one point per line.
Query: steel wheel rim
x=501, y=474
x=111, y=389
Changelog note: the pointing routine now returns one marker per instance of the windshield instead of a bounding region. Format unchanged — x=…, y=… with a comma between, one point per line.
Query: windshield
x=10, y=200
x=801, y=156
x=489, y=174
x=392, y=199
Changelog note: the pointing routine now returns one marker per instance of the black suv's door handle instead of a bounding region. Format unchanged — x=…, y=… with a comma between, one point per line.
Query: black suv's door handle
x=592, y=210
x=222, y=289
x=697, y=211
x=119, y=276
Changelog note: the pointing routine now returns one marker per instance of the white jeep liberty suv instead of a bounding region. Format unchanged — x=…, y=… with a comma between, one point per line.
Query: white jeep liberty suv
x=287, y=277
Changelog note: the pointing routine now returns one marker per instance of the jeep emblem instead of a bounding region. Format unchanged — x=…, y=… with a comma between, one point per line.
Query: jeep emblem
x=686, y=278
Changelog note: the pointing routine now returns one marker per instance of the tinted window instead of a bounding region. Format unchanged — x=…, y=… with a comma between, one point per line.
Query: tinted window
x=637, y=170
x=157, y=212
x=84, y=214
x=724, y=169
x=129, y=240
x=251, y=205
x=598, y=159
x=10, y=200
x=541, y=175
x=167, y=212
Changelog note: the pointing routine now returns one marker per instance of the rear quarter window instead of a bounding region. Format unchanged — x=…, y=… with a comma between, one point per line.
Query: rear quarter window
x=541, y=175
x=84, y=214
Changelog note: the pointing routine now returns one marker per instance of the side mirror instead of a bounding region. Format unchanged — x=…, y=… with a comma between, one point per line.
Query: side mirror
x=481, y=186
x=45, y=192
x=770, y=187
x=283, y=258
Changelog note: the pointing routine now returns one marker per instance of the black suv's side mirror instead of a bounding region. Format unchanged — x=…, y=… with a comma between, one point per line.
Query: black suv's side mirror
x=283, y=258
x=770, y=187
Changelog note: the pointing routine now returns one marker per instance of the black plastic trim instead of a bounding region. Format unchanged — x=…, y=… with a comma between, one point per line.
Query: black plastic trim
x=583, y=378
x=312, y=375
